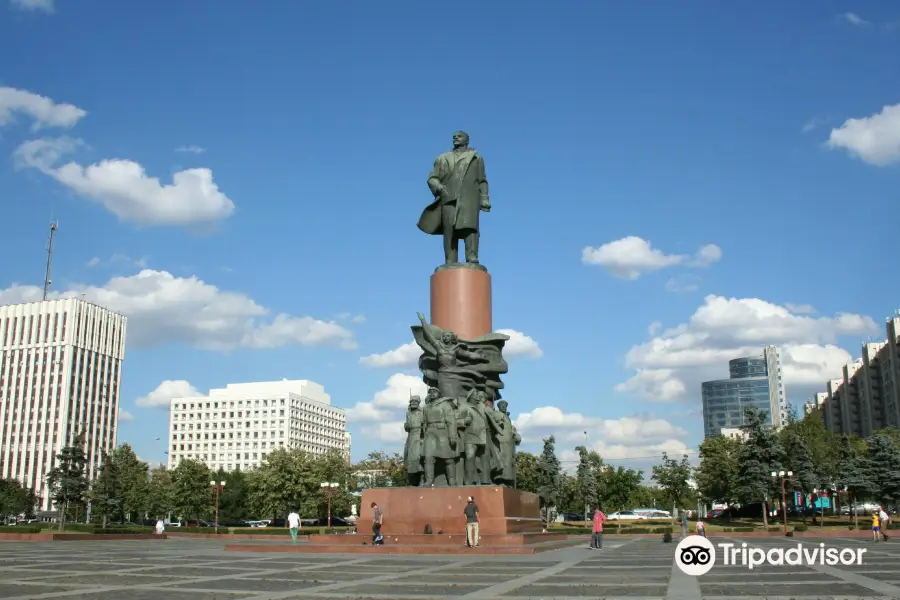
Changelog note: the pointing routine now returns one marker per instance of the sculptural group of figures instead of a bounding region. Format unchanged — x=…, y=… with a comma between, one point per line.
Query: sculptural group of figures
x=463, y=435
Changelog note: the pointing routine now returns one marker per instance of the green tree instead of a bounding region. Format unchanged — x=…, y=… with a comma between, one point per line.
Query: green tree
x=569, y=498
x=105, y=502
x=286, y=481
x=620, y=488
x=192, y=496
x=160, y=493
x=15, y=499
x=68, y=481
x=549, y=469
x=133, y=480
x=884, y=468
x=851, y=474
x=798, y=460
x=673, y=477
x=380, y=469
x=716, y=476
x=587, y=481
x=527, y=472
x=233, y=499
x=760, y=454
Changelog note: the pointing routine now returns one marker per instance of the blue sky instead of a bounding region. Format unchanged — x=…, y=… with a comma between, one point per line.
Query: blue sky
x=672, y=188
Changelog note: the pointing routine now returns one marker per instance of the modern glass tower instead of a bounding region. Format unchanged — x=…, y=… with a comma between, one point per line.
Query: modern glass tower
x=754, y=381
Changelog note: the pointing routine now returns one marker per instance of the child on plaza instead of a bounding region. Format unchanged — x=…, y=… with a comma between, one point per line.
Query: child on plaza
x=701, y=528
x=876, y=522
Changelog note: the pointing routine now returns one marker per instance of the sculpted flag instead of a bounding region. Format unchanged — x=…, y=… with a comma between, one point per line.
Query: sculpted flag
x=480, y=375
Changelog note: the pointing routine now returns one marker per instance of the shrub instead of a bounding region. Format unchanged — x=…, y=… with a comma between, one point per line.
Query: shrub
x=123, y=530
x=745, y=529
x=800, y=527
x=19, y=529
x=638, y=530
x=73, y=527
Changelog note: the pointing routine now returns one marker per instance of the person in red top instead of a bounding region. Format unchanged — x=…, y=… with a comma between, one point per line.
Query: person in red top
x=597, y=530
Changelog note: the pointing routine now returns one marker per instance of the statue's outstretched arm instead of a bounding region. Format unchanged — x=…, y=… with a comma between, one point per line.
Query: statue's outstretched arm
x=428, y=331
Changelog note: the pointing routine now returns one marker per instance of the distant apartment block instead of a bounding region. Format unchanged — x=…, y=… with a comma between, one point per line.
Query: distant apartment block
x=237, y=426
x=754, y=382
x=865, y=397
x=60, y=373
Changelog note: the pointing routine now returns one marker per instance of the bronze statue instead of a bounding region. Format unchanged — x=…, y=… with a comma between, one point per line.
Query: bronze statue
x=441, y=437
x=476, y=441
x=507, y=439
x=452, y=356
x=460, y=188
x=413, y=450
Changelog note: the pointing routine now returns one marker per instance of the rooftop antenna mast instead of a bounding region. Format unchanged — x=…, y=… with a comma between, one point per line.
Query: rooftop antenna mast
x=47, y=280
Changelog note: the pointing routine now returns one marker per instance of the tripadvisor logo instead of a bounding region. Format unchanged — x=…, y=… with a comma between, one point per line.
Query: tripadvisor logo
x=695, y=555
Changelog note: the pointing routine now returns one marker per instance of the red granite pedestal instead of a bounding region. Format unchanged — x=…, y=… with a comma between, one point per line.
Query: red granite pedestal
x=461, y=301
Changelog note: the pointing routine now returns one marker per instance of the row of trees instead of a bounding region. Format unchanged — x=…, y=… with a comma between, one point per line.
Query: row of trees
x=736, y=471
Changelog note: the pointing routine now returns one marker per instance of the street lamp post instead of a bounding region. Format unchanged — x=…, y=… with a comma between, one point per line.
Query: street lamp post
x=783, y=476
x=218, y=487
x=330, y=489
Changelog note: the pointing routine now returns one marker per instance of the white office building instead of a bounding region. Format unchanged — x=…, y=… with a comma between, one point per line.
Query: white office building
x=60, y=373
x=237, y=426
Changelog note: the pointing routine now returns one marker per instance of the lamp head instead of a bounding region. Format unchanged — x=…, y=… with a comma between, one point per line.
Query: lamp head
x=212, y=483
x=790, y=473
x=774, y=474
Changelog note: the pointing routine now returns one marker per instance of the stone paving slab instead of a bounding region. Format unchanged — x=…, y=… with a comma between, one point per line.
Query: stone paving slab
x=185, y=569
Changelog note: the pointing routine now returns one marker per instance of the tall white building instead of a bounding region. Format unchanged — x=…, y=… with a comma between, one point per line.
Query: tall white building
x=236, y=427
x=60, y=371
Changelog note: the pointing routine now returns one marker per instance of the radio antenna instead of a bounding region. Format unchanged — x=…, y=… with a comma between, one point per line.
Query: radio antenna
x=47, y=280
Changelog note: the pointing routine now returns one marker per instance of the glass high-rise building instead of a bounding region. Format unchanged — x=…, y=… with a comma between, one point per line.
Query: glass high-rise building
x=754, y=382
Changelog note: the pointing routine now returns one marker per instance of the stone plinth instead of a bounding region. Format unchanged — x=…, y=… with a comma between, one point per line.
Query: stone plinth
x=461, y=301
x=407, y=510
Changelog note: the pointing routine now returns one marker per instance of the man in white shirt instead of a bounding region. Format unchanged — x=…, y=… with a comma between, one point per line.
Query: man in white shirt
x=293, y=521
x=885, y=519
x=160, y=527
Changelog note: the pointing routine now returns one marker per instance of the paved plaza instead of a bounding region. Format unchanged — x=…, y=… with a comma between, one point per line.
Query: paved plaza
x=185, y=569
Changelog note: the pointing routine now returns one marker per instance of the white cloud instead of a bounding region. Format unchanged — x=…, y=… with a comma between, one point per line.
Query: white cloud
x=632, y=256
x=382, y=416
x=164, y=308
x=35, y=5
x=635, y=437
x=124, y=188
x=119, y=259
x=654, y=328
x=345, y=316
x=726, y=328
x=44, y=111
x=874, y=139
x=191, y=149
x=812, y=125
x=408, y=354
x=125, y=416
x=854, y=19
x=800, y=309
x=165, y=391
x=683, y=284
x=657, y=385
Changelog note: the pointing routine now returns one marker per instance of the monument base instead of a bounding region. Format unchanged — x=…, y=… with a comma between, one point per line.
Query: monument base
x=461, y=301
x=408, y=510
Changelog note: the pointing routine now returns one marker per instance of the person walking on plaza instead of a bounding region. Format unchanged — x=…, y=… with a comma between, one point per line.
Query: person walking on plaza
x=471, y=513
x=701, y=528
x=293, y=522
x=876, y=522
x=597, y=529
x=684, y=524
x=377, y=522
x=160, y=527
x=884, y=520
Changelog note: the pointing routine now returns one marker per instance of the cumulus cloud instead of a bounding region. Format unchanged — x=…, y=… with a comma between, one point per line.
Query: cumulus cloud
x=408, y=354
x=632, y=256
x=164, y=308
x=43, y=111
x=118, y=259
x=381, y=418
x=854, y=19
x=165, y=391
x=125, y=189
x=627, y=438
x=725, y=328
x=125, y=416
x=874, y=139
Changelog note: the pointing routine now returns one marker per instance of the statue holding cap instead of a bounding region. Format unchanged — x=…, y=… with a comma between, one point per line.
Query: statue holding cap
x=507, y=440
x=413, y=451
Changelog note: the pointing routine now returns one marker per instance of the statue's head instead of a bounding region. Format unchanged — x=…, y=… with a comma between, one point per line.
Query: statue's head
x=479, y=397
x=460, y=139
x=414, y=402
x=433, y=394
x=448, y=337
x=501, y=406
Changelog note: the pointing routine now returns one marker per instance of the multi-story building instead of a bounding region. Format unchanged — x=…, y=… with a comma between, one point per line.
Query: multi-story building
x=60, y=372
x=754, y=382
x=866, y=397
x=237, y=426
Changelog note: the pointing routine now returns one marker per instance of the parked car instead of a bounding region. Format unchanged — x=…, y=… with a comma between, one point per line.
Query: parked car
x=716, y=513
x=625, y=515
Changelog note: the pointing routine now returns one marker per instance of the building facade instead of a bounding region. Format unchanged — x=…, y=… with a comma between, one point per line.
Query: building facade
x=237, y=426
x=866, y=395
x=754, y=382
x=60, y=374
